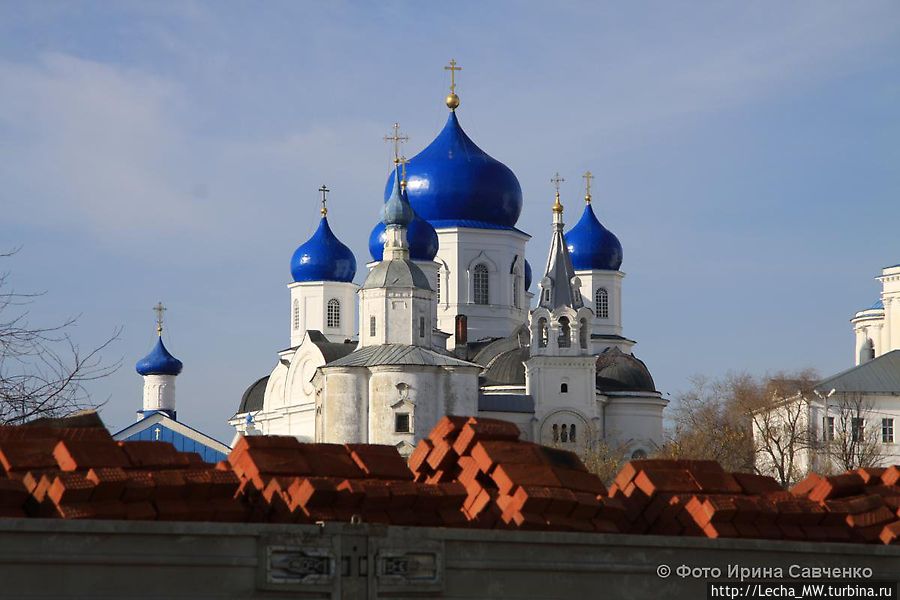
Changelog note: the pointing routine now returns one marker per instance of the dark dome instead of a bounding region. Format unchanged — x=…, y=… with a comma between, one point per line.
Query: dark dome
x=252, y=400
x=620, y=372
x=507, y=368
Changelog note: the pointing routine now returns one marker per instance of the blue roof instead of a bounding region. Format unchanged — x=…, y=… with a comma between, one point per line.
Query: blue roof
x=159, y=427
x=879, y=305
x=453, y=181
x=527, y=274
x=159, y=362
x=592, y=246
x=323, y=258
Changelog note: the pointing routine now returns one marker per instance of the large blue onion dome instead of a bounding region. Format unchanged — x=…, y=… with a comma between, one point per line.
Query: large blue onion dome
x=454, y=183
x=527, y=275
x=159, y=362
x=323, y=258
x=593, y=246
x=420, y=236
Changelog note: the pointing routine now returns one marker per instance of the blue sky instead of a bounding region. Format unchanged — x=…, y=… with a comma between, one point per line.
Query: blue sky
x=746, y=154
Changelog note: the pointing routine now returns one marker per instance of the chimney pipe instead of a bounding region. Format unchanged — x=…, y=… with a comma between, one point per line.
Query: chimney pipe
x=461, y=335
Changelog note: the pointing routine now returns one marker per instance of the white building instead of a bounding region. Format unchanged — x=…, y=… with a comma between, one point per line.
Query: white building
x=444, y=323
x=857, y=410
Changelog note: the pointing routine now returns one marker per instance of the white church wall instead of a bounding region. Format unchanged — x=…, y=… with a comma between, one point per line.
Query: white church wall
x=459, y=392
x=345, y=409
x=309, y=309
x=634, y=419
x=402, y=391
x=159, y=392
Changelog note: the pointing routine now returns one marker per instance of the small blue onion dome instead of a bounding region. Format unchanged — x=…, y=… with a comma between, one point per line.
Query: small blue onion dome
x=397, y=211
x=159, y=362
x=454, y=183
x=592, y=246
x=421, y=236
x=323, y=258
x=527, y=274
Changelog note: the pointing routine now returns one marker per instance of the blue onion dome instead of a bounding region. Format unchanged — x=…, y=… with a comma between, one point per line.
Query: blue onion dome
x=527, y=275
x=397, y=211
x=593, y=246
x=420, y=235
x=159, y=362
x=323, y=258
x=454, y=183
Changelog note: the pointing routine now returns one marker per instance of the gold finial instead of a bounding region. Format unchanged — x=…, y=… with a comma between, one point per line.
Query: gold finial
x=397, y=138
x=556, y=180
x=452, y=99
x=159, y=309
x=587, y=186
x=324, y=190
x=402, y=161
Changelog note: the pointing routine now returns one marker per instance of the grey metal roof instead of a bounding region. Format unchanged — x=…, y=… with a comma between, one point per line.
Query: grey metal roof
x=484, y=353
x=330, y=350
x=398, y=354
x=507, y=368
x=561, y=272
x=620, y=372
x=252, y=400
x=398, y=272
x=512, y=403
x=880, y=375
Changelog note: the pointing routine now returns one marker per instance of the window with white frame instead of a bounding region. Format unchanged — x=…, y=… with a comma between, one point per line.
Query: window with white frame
x=333, y=314
x=296, y=315
x=480, y=282
x=601, y=303
x=401, y=423
x=887, y=431
x=857, y=429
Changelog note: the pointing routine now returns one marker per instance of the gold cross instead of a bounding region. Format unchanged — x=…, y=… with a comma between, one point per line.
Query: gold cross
x=398, y=139
x=587, y=185
x=159, y=309
x=453, y=69
x=324, y=191
x=402, y=161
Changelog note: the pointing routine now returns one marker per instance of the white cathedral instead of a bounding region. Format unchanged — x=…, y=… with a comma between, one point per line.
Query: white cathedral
x=444, y=321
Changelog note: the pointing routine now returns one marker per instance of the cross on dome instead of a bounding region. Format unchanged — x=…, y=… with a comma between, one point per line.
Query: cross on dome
x=452, y=99
x=397, y=138
x=587, y=186
x=159, y=309
x=556, y=180
x=324, y=190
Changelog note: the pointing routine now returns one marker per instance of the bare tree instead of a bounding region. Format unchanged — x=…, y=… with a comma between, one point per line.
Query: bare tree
x=43, y=372
x=855, y=441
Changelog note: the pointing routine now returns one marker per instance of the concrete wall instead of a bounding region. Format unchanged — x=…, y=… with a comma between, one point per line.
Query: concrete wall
x=117, y=559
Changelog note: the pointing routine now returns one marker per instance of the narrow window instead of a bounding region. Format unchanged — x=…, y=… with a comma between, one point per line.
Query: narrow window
x=565, y=333
x=547, y=295
x=857, y=429
x=372, y=326
x=480, y=284
x=572, y=432
x=421, y=327
x=515, y=291
x=544, y=332
x=401, y=423
x=555, y=433
x=887, y=431
x=438, y=287
x=564, y=434
x=583, y=333
x=333, y=316
x=564, y=388
x=296, y=314
x=601, y=303
x=827, y=429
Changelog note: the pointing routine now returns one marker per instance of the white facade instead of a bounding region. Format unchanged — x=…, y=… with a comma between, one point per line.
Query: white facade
x=877, y=329
x=159, y=393
x=326, y=306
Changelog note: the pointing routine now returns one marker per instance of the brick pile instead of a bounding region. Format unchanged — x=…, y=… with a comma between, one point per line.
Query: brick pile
x=468, y=472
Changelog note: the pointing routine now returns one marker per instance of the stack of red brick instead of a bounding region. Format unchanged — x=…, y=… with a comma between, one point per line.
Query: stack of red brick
x=513, y=484
x=698, y=498
x=83, y=473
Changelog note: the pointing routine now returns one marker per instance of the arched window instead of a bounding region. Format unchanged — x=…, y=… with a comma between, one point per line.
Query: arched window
x=296, y=314
x=515, y=291
x=544, y=332
x=565, y=333
x=333, y=316
x=564, y=434
x=372, y=326
x=564, y=388
x=480, y=284
x=583, y=333
x=572, y=432
x=601, y=303
x=555, y=433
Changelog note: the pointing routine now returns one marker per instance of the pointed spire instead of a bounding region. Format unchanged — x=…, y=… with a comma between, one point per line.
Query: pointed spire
x=559, y=271
x=397, y=215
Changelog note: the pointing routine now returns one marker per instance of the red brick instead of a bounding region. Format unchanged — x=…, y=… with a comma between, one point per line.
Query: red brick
x=376, y=495
x=403, y=494
x=441, y=457
x=716, y=483
x=879, y=516
x=562, y=503
x=605, y=526
x=587, y=506
x=452, y=494
x=153, y=455
x=172, y=509
x=837, y=486
x=70, y=488
x=488, y=453
x=720, y=530
x=139, y=487
x=579, y=481
x=223, y=484
x=528, y=521
x=12, y=494
x=709, y=467
x=168, y=485
x=891, y=475
x=483, y=429
x=507, y=477
x=746, y=530
x=630, y=469
x=871, y=475
x=447, y=428
x=890, y=533
x=331, y=460
x=754, y=484
x=73, y=455
x=380, y=461
x=532, y=499
x=563, y=459
x=140, y=511
x=110, y=483
x=804, y=487
x=653, y=481
x=313, y=492
x=479, y=503
x=560, y=523
x=27, y=455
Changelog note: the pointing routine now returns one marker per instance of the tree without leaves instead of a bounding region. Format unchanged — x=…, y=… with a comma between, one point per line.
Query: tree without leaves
x=856, y=441
x=43, y=372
